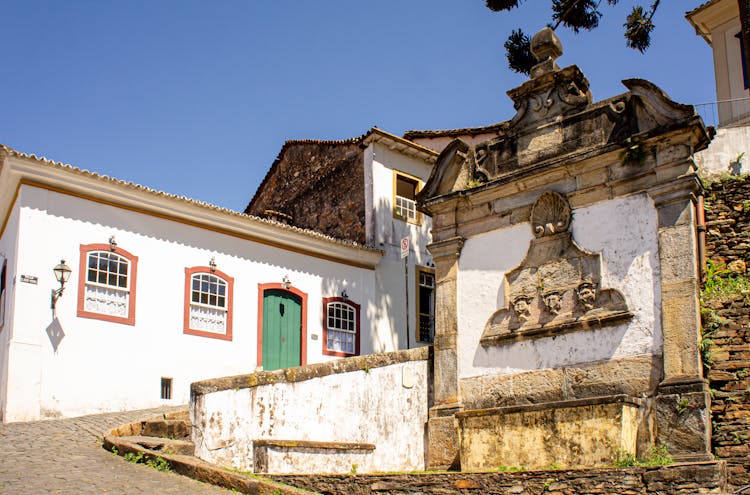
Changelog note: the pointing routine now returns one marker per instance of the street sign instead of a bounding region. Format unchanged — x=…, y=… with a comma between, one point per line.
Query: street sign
x=404, y=247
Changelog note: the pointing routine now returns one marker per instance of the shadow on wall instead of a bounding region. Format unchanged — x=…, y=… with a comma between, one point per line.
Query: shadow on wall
x=735, y=166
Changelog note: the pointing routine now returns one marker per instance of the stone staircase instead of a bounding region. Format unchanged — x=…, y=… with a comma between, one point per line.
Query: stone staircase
x=166, y=439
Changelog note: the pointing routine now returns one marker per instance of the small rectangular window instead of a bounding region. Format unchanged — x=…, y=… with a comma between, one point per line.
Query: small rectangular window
x=341, y=329
x=405, y=189
x=744, y=62
x=166, y=388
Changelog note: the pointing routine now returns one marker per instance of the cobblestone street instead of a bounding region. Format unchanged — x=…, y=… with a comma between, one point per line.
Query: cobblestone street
x=66, y=456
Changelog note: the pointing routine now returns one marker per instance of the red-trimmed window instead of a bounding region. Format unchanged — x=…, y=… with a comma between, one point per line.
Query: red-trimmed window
x=106, y=284
x=340, y=327
x=208, y=303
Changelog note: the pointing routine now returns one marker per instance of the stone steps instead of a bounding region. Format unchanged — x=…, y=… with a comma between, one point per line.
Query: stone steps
x=163, y=445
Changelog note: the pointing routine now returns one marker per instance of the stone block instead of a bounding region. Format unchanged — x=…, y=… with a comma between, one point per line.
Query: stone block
x=506, y=390
x=591, y=178
x=570, y=434
x=443, y=443
x=683, y=423
x=587, y=197
x=601, y=379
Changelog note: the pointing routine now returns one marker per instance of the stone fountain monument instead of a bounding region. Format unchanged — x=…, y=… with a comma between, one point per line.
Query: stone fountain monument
x=567, y=266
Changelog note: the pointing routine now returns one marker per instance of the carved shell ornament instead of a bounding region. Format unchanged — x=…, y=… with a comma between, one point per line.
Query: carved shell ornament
x=550, y=214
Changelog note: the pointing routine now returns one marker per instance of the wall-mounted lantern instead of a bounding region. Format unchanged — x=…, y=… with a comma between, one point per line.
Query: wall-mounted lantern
x=62, y=274
x=344, y=295
x=112, y=243
x=285, y=282
x=212, y=264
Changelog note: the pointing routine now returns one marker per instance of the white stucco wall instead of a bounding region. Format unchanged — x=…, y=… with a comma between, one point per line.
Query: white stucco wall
x=725, y=153
x=728, y=60
x=387, y=234
x=102, y=366
x=386, y=406
x=9, y=252
x=629, y=264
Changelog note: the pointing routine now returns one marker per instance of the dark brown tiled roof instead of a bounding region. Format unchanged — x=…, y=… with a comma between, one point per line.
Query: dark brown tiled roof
x=361, y=140
x=294, y=142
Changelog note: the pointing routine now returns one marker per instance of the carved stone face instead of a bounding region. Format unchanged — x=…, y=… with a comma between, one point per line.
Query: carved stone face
x=586, y=293
x=553, y=302
x=521, y=308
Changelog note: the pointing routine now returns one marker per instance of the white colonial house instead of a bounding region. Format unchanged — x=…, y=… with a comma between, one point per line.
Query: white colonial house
x=164, y=290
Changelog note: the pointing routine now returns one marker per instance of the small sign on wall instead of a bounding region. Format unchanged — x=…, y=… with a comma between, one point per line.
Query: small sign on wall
x=29, y=279
x=404, y=247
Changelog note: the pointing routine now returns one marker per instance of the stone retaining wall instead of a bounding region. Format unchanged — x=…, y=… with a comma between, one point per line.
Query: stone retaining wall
x=379, y=399
x=728, y=220
x=705, y=477
x=728, y=321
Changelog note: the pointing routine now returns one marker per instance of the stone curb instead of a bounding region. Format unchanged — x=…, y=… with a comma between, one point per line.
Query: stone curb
x=193, y=467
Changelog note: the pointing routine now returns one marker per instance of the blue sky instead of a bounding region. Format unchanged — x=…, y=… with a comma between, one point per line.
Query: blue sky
x=197, y=97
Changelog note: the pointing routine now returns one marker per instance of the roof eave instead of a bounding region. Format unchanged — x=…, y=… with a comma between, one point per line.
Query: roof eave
x=20, y=169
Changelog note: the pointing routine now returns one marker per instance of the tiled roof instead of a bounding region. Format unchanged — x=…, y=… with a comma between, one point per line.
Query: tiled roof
x=701, y=7
x=174, y=197
x=361, y=140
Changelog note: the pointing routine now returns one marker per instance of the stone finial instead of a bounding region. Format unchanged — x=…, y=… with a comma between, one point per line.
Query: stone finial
x=546, y=48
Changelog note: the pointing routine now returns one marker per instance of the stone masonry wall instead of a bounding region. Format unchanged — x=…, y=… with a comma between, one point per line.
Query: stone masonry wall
x=680, y=479
x=727, y=324
x=319, y=186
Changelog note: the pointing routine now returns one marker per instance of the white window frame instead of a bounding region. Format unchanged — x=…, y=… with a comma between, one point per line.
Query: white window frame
x=348, y=339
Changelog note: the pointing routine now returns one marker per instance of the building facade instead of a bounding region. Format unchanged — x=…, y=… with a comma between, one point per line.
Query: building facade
x=164, y=291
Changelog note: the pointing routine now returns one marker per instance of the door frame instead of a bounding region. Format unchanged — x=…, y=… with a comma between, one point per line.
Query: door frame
x=262, y=288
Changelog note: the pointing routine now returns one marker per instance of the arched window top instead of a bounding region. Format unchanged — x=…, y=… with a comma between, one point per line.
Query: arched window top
x=107, y=268
x=107, y=283
x=208, y=289
x=340, y=327
x=208, y=303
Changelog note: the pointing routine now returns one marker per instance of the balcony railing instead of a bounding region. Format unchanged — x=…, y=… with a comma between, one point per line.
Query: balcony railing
x=725, y=113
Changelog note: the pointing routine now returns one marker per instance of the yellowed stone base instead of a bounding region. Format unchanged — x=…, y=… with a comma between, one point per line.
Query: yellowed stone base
x=565, y=434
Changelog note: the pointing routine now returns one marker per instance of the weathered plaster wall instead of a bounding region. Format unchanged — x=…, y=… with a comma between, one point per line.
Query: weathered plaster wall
x=102, y=366
x=629, y=264
x=382, y=400
x=724, y=154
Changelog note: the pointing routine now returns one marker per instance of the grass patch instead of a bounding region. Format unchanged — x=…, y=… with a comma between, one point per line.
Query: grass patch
x=159, y=463
x=656, y=455
x=722, y=284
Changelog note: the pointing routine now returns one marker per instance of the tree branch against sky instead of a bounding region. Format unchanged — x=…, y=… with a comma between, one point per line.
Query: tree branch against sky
x=576, y=15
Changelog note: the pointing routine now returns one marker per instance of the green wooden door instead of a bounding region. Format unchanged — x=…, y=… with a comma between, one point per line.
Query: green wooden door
x=282, y=329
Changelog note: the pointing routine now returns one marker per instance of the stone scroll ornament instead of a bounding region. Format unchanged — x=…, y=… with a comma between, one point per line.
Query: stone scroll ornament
x=557, y=288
